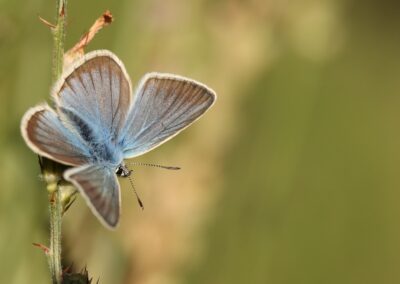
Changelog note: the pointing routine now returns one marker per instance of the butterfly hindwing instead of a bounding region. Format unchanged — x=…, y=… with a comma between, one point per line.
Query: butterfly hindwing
x=44, y=132
x=95, y=95
x=164, y=105
x=99, y=186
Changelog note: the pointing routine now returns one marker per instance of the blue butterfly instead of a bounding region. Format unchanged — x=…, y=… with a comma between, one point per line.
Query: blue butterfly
x=97, y=124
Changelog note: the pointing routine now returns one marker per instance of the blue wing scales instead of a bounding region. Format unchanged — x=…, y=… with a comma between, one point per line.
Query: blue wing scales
x=163, y=106
x=95, y=95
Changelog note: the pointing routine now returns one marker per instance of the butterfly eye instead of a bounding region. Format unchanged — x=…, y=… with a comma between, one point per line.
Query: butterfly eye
x=123, y=171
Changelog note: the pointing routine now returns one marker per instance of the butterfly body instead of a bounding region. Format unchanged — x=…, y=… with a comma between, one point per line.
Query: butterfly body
x=97, y=124
x=102, y=147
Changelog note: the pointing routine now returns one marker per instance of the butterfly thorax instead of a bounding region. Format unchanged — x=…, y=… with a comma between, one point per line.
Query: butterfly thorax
x=104, y=150
x=123, y=171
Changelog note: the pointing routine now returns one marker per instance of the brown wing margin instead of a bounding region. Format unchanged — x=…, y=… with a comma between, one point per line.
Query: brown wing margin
x=47, y=136
x=99, y=186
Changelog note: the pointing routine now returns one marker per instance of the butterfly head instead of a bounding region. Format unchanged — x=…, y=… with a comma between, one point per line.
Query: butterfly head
x=123, y=171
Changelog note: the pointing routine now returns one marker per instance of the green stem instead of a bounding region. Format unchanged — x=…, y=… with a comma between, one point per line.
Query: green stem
x=55, y=206
x=59, y=38
x=54, y=255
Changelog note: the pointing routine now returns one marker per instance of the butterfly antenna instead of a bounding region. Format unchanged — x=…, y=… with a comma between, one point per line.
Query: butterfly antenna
x=154, y=165
x=137, y=196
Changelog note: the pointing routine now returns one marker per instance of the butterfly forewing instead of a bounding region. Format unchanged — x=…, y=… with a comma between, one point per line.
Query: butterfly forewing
x=95, y=95
x=164, y=104
x=99, y=185
x=44, y=132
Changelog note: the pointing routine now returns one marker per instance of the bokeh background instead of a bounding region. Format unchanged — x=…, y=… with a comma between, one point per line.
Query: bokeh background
x=292, y=177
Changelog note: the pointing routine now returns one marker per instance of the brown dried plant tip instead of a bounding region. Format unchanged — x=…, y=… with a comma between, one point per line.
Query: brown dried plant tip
x=108, y=18
x=78, y=50
x=42, y=247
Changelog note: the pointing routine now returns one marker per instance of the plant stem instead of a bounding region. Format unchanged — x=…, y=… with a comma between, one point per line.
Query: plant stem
x=55, y=206
x=59, y=38
x=54, y=255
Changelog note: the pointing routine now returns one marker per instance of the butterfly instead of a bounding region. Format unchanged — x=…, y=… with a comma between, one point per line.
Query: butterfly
x=97, y=123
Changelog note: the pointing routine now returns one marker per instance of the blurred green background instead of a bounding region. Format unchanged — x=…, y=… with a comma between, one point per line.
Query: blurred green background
x=292, y=177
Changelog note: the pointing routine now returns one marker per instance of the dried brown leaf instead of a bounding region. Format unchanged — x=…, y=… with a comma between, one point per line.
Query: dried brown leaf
x=78, y=49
